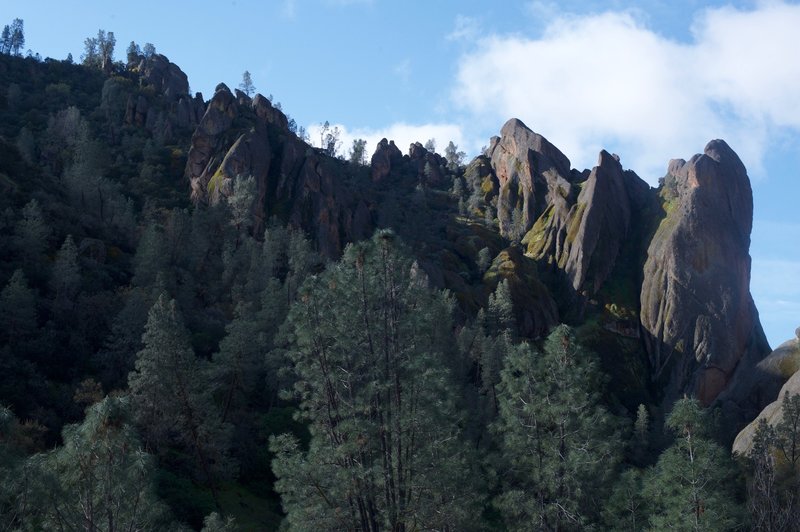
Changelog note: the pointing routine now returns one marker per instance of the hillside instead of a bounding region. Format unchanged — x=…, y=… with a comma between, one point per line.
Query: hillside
x=204, y=310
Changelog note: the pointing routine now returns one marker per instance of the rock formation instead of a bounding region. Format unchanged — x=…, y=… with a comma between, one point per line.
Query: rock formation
x=175, y=107
x=386, y=156
x=700, y=325
x=773, y=370
x=531, y=172
x=293, y=180
x=681, y=251
x=163, y=76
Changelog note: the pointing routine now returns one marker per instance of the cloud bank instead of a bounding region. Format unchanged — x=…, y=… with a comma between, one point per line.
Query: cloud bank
x=608, y=81
x=403, y=135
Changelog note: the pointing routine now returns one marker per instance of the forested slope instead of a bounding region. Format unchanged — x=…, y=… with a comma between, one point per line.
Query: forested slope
x=209, y=322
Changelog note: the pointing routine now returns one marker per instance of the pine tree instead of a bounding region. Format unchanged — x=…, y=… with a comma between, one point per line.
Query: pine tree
x=5, y=40
x=65, y=279
x=358, y=152
x=770, y=507
x=17, y=39
x=368, y=348
x=241, y=203
x=100, y=479
x=788, y=430
x=560, y=446
x=626, y=508
x=500, y=310
x=247, y=84
x=32, y=235
x=17, y=311
x=455, y=158
x=238, y=365
x=132, y=53
x=171, y=396
x=690, y=487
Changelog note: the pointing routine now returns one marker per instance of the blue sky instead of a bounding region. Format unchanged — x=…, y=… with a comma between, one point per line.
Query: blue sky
x=650, y=80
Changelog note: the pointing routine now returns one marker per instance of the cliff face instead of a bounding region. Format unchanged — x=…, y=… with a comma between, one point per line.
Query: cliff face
x=679, y=253
x=238, y=136
x=700, y=325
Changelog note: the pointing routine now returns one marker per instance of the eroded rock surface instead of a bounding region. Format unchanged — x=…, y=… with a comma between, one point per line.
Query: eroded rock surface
x=700, y=325
x=239, y=136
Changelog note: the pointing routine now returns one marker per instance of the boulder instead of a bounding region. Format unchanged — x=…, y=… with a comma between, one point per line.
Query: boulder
x=772, y=414
x=699, y=323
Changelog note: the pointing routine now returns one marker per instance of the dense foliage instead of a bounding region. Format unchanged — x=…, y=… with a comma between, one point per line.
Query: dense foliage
x=163, y=366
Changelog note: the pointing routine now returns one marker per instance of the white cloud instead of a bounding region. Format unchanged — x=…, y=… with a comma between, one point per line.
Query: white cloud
x=607, y=81
x=403, y=135
x=465, y=29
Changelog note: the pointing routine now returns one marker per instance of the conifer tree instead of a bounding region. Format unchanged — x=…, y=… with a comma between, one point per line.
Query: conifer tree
x=100, y=479
x=627, y=508
x=560, y=446
x=5, y=40
x=32, y=235
x=247, y=84
x=65, y=279
x=17, y=37
x=690, y=488
x=171, y=396
x=238, y=365
x=500, y=310
x=368, y=350
x=17, y=310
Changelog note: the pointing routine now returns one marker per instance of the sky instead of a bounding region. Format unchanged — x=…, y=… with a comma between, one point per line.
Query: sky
x=650, y=80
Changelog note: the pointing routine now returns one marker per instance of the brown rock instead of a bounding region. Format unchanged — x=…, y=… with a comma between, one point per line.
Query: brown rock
x=207, y=142
x=386, y=155
x=427, y=164
x=269, y=114
x=700, y=325
x=294, y=181
x=164, y=76
x=534, y=308
x=531, y=172
x=772, y=414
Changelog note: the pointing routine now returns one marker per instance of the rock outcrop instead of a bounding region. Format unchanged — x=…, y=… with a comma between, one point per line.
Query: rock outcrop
x=531, y=174
x=386, y=156
x=168, y=103
x=783, y=359
x=754, y=389
x=163, y=76
x=700, y=325
x=534, y=308
x=428, y=165
x=293, y=180
x=582, y=236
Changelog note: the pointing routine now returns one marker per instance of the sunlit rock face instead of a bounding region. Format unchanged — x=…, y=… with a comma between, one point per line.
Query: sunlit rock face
x=701, y=328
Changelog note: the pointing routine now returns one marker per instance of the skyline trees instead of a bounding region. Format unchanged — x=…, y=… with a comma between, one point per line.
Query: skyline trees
x=12, y=39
